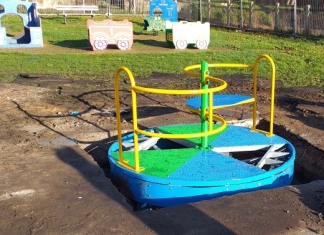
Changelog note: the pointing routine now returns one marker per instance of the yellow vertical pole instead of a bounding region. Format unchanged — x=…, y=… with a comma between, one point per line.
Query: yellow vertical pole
x=272, y=92
x=118, y=116
x=119, y=121
x=210, y=115
x=135, y=126
x=273, y=86
x=255, y=82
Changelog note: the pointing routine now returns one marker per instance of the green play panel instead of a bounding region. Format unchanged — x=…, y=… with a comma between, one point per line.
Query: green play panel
x=190, y=129
x=159, y=163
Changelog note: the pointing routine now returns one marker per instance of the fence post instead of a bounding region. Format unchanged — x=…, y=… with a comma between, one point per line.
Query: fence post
x=241, y=15
x=209, y=11
x=108, y=9
x=143, y=7
x=200, y=11
x=276, y=26
x=307, y=13
x=295, y=18
x=228, y=12
x=251, y=15
x=190, y=10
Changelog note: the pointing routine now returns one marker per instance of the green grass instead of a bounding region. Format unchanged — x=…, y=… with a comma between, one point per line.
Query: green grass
x=67, y=53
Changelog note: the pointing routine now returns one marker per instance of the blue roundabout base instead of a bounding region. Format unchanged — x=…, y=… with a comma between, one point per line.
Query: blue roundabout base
x=179, y=172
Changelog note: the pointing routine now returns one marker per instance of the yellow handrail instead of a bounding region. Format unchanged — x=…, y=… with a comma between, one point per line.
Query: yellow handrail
x=254, y=67
x=118, y=116
x=272, y=93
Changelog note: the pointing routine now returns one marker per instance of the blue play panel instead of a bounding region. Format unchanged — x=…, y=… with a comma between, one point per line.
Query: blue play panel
x=220, y=100
x=32, y=34
x=214, y=166
x=166, y=9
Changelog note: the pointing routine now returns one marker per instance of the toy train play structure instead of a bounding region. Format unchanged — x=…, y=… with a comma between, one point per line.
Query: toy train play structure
x=175, y=164
x=163, y=17
x=32, y=35
x=106, y=32
x=160, y=12
x=177, y=34
x=183, y=33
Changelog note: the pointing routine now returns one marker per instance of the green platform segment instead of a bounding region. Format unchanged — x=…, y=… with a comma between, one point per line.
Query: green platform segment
x=159, y=163
x=190, y=129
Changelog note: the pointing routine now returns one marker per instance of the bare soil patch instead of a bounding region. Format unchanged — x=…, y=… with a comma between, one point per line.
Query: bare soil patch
x=36, y=117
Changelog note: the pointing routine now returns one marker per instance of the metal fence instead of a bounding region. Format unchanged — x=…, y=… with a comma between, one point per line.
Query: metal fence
x=297, y=18
x=115, y=7
x=293, y=17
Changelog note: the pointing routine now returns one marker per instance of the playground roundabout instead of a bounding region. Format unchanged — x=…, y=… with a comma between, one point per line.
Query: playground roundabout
x=38, y=121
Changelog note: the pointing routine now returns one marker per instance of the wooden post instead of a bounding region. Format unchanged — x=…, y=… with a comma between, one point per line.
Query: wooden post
x=228, y=13
x=241, y=15
x=295, y=19
x=276, y=26
x=209, y=11
x=190, y=10
x=251, y=15
x=307, y=13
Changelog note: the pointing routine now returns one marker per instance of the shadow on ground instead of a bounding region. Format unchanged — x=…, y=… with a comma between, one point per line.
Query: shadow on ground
x=163, y=223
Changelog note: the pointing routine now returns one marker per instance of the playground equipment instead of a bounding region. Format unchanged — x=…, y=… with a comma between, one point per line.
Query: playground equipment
x=78, y=10
x=183, y=33
x=155, y=24
x=32, y=34
x=160, y=12
x=176, y=164
x=106, y=32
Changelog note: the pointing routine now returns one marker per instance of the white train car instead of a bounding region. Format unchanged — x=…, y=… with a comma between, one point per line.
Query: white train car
x=184, y=33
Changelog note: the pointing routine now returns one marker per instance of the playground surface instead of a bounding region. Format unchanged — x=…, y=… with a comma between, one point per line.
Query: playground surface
x=54, y=168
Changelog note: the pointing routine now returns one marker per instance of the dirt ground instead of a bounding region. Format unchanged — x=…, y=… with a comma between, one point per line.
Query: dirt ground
x=53, y=164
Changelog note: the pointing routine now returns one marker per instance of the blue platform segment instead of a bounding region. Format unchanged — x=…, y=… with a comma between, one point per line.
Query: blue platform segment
x=235, y=136
x=217, y=166
x=220, y=100
x=210, y=166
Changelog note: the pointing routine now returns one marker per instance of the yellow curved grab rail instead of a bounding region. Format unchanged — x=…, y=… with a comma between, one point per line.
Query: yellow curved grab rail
x=254, y=67
x=222, y=86
x=272, y=93
x=118, y=116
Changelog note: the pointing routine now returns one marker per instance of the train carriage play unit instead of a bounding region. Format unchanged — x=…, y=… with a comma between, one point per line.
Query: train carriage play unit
x=103, y=33
x=182, y=34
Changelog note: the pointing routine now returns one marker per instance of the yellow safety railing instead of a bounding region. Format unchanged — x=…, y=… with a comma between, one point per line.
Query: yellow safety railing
x=272, y=94
x=254, y=67
x=209, y=113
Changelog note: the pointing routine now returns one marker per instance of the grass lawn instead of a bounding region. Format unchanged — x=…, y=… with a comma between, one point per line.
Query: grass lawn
x=67, y=53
